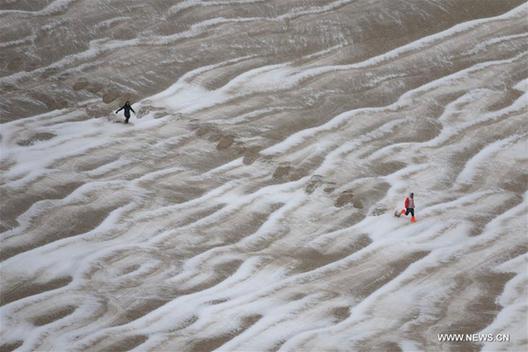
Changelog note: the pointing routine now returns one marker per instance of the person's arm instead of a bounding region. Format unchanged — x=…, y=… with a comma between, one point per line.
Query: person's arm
x=121, y=108
x=132, y=109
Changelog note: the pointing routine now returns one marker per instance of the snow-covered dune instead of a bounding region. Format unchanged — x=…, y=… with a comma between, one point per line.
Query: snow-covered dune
x=249, y=204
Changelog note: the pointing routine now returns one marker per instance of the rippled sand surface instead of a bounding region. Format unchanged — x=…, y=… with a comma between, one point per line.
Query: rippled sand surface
x=249, y=205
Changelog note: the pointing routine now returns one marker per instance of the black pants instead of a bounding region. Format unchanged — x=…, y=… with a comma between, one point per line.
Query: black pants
x=409, y=210
x=127, y=117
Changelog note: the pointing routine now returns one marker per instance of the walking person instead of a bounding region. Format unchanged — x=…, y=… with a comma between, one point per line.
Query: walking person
x=127, y=108
x=409, y=207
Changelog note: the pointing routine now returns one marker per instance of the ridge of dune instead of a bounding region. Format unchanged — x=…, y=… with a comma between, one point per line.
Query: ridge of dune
x=249, y=205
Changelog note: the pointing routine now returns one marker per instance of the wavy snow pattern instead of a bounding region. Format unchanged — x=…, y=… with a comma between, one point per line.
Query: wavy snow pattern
x=249, y=205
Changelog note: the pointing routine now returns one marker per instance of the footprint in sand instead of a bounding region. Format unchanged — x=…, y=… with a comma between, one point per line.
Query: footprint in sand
x=251, y=154
x=225, y=142
x=317, y=181
x=379, y=209
x=347, y=197
x=208, y=131
x=282, y=171
x=314, y=183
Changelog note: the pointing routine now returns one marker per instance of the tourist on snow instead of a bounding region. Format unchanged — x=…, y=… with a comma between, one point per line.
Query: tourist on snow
x=409, y=207
x=127, y=109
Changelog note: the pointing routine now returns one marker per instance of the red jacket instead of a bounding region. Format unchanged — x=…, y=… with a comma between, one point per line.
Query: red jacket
x=409, y=203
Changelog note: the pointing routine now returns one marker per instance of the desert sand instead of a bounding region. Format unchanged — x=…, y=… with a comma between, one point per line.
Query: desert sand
x=249, y=204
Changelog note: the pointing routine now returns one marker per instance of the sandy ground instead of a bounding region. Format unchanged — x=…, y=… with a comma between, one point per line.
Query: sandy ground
x=248, y=206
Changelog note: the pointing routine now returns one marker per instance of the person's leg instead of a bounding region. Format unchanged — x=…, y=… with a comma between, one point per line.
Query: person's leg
x=407, y=211
x=127, y=118
x=411, y=210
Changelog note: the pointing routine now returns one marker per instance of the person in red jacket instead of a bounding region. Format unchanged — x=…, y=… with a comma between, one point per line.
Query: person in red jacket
x=409, y=207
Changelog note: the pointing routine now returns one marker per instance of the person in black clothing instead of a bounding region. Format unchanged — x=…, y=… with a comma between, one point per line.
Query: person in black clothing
x=127, y=107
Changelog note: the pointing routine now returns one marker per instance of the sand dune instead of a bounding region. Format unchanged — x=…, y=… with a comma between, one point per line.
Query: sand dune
x=249, y=204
